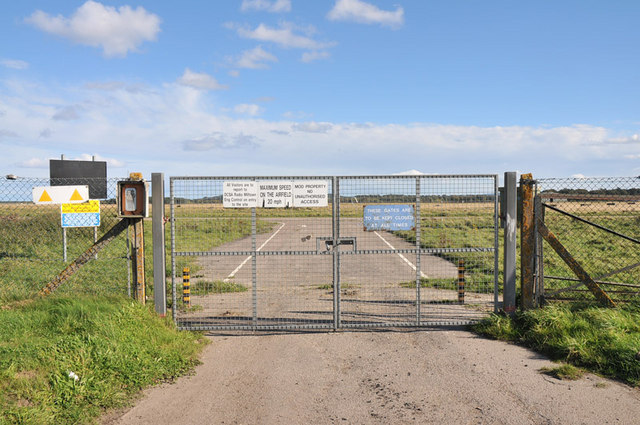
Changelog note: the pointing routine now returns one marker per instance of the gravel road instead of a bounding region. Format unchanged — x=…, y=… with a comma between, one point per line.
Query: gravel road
x=434, y=376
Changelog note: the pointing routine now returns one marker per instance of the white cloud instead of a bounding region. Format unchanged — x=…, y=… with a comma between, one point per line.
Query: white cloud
x=314, y=56
x=255, y=59
x=248, y=109
x=200, y=81
x=312, y=127
x=578, y=176
x=365, y=13
x=34, y=163
x=234, y=73
x=14, y=64
x=177, y=130
x=67, y=113
x=284, y=36
x=117, y=32
x=220, y=141
x=276, y=6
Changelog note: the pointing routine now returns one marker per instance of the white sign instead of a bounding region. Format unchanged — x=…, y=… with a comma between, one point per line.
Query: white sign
x=275, y=194
x=60, y=194
x=310, y=193
x=240, y=194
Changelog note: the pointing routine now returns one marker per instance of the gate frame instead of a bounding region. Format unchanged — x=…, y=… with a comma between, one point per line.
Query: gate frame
x=336, y=254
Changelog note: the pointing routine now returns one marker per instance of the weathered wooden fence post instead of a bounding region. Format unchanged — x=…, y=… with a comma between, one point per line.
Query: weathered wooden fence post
x=527, y=242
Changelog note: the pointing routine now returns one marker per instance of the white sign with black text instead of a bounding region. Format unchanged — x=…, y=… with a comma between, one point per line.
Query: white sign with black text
x=240, y=194
x=275, y=194
x=310, y=193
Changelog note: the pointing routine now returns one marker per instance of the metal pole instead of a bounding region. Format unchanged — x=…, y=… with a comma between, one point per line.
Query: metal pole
x=418, y=223
x=159, y=266
x=510, y=247
x=128, y=264
x=496, y=243
x=138, y=253
x=254, y=267
x=174, y=309
x=336, y=261
x=64, y=244
x=461, y=282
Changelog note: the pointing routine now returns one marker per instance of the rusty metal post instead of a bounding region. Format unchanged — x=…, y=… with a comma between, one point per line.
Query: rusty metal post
x=138, y=259
x=527, y=242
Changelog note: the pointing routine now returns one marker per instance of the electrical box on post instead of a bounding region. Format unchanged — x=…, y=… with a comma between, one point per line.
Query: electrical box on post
x=133, y=197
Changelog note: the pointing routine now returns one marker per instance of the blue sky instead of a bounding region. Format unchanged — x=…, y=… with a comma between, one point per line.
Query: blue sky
x=285, y=87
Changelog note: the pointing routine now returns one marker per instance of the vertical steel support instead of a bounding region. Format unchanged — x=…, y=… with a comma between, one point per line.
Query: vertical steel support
x=64, y=244
x=254, y=267
x=138, y=254
x=128, y=263
x=159, y=266
x=174, y=310
x=418, y=223
x=95, y=239
x=496, y=243
x=527, y=241
x=335, y=252
x=510, y=248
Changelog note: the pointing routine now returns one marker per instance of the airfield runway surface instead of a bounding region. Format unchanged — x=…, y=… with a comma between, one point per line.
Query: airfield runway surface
x=294, y=284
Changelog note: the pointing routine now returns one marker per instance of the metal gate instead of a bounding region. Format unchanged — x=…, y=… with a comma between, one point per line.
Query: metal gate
x=276, y=253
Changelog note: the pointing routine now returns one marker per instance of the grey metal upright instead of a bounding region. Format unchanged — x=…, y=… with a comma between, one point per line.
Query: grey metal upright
x=510, y=225
x=159, y=266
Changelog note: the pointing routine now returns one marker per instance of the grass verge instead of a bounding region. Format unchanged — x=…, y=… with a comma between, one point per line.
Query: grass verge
x=67, y=360
x=602, y=340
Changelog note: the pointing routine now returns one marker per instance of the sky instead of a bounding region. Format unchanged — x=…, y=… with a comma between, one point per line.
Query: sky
x=322, y=87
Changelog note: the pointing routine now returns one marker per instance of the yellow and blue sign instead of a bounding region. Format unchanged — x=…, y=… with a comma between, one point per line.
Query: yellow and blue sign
x=81, y=215
x=389, y=217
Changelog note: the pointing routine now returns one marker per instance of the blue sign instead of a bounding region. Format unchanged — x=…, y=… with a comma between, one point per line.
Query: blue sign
x=80, y=219
x=389, y=217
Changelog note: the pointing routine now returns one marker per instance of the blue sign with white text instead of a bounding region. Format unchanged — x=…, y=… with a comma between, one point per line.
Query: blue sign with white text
x=389, y=217
x=81, y=220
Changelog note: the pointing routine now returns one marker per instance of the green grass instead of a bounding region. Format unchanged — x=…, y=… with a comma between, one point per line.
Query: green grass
x=565, y=372
x=206, y=287
x=601, y=340
x=113, y=345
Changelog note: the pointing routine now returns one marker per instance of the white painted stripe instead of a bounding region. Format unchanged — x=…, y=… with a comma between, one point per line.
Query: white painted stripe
x=422, y=275
x=233, y=273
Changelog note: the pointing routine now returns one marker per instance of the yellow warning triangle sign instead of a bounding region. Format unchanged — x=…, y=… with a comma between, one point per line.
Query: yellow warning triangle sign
x=75, y=197
x=45, y=197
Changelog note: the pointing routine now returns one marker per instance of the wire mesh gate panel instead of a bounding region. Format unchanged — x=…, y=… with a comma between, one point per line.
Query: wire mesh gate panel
x=597, y=221
x=376, y=251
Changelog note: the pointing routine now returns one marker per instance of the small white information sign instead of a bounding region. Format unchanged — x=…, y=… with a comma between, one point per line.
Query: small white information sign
x=275, y=194
x=310, y=193
x=240, y=194
x=60, y=194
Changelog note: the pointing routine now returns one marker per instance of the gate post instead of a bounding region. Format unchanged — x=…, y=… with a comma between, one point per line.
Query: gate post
x=527, y=242
x=510, y=248
x=159, y=266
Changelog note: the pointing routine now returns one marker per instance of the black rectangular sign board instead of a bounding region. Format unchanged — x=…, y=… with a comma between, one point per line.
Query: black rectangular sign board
x=71, y=173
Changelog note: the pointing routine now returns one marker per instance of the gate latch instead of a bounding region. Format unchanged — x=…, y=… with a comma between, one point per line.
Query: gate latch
x=328, y=243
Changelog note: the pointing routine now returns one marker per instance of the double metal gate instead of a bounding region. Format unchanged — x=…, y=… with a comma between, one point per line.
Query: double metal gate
x=366, y=251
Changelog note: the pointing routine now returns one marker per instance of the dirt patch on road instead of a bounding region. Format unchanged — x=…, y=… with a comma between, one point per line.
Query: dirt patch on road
x=401, y=377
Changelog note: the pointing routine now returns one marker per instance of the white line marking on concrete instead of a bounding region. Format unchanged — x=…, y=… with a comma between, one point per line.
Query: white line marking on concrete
x=233, y=273
x=422, y=275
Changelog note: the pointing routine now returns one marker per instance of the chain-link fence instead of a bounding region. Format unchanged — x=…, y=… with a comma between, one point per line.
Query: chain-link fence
x=597, y=220
x=35, y=247
x=374, y=251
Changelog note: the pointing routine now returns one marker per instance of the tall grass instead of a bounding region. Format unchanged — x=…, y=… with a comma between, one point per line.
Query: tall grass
x=114, y=347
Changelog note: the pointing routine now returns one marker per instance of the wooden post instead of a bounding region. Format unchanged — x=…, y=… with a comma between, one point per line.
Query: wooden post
x=527, y=242
x=138, y=259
